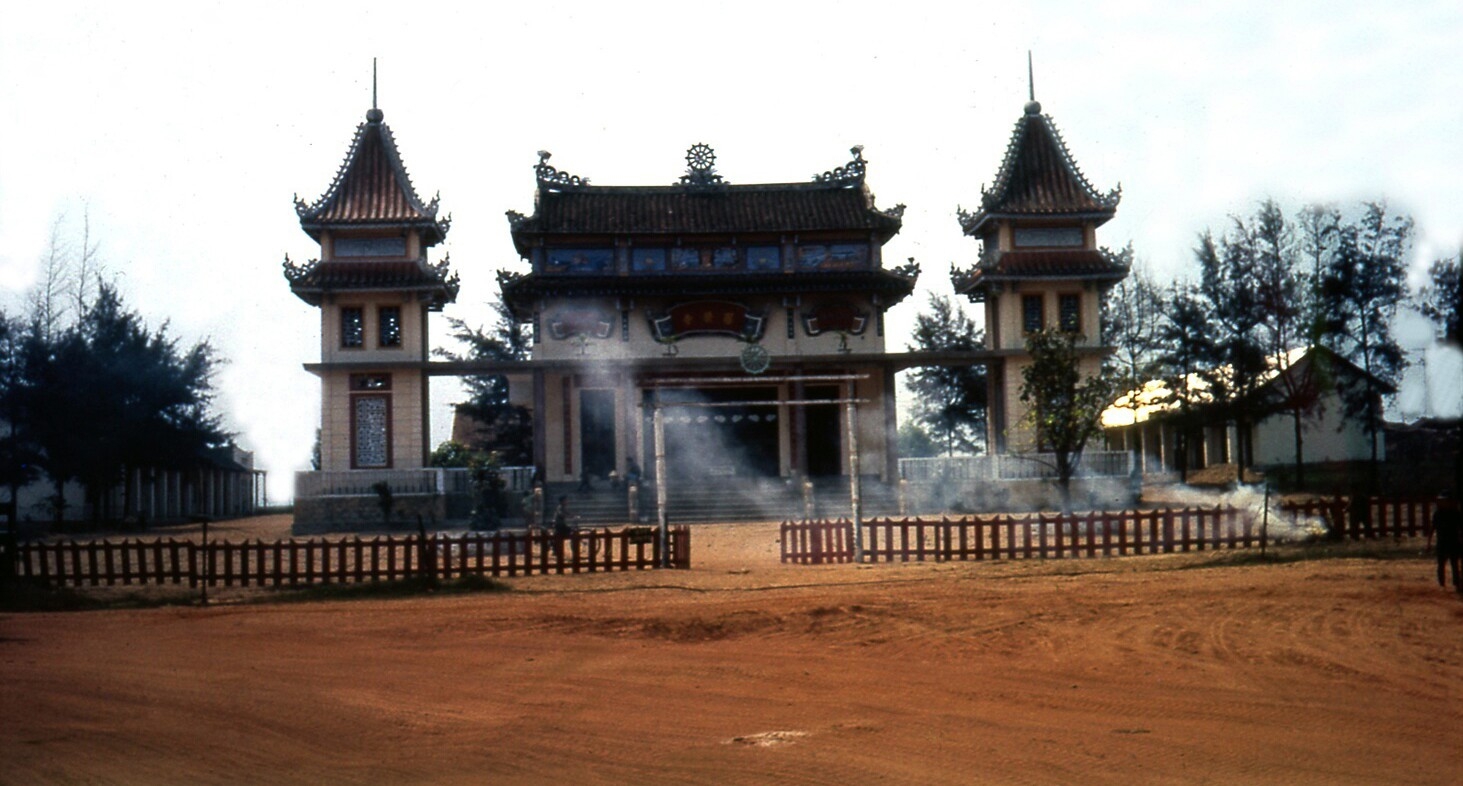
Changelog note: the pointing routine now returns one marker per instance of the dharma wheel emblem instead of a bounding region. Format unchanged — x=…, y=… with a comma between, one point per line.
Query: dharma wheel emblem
x=701, y=169
x=755, y=359
x=701, y=158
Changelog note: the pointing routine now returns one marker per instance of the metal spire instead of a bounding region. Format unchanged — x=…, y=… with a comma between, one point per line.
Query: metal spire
x=373, y=81
x=1030, y=80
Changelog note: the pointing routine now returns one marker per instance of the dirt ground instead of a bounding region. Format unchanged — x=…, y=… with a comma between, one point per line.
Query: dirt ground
x=1180, y=670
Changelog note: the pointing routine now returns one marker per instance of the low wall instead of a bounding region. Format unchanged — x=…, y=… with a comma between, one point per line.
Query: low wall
x=360, y=513
x=1014, y=496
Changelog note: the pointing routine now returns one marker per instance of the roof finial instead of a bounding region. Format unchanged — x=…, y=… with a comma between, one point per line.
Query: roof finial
x=1032, y=106
x=375, y=114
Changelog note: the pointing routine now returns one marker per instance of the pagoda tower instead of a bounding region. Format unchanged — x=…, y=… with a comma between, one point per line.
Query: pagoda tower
x=374, y=288
x=1039, y=267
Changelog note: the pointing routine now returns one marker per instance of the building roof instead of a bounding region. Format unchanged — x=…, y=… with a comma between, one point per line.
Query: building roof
x=520, y=291
x=315, y=279
x=1039, y=179
x=1066, y=264
x=1155, y=398
x=567, y=206
x=372, y=190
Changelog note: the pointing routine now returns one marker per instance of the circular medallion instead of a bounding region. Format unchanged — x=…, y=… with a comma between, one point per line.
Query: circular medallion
x=755, y=359
x=700, y=158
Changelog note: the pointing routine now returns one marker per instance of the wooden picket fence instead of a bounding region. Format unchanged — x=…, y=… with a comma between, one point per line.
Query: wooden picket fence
x=1083, y=535
x=1387, y=517
x=294, y=563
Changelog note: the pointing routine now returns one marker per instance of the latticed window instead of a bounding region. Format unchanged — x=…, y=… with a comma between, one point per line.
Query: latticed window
x=352, y=327
x=370, y=445
x=390, y=318
x=1031, y=319
x=1069, y=313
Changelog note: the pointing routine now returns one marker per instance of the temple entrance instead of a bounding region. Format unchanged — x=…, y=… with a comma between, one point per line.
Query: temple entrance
x=824, y=437
x=718, y=441
x=597, y=431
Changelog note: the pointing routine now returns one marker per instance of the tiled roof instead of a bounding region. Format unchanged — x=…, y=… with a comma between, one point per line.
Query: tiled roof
x=372, y=189
x=313, y=280
x=703, y=204
x=1039, y=264
x=772, y=209
x=1026, y=265
x=1039, y=178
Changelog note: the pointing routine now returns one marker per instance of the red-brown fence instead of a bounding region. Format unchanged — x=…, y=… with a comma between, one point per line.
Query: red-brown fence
x=1378, y=517
x=295, y=563
x=1087, y=535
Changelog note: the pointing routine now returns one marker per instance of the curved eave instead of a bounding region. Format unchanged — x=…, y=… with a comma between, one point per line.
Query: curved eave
x=436, y=296
x=977, y=287
x=433, y=230
x=975, y=226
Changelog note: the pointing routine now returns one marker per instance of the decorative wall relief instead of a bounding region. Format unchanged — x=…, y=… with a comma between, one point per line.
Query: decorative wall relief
x=833, y=256
x=574, y=322
x=580, y=260
x=836, y=317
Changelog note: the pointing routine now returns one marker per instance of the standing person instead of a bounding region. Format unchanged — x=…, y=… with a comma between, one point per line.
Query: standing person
x=1448, y=532
x=562, y=530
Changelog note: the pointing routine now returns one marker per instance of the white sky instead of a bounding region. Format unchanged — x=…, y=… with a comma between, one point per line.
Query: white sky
x=185, y=129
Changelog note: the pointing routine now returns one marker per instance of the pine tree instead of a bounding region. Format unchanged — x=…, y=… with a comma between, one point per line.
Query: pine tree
x=1362, y=287
x=950, y=401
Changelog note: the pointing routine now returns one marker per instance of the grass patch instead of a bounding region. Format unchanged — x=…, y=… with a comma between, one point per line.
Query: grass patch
x=26, y=596
x=1318, y=550
x=375, y=590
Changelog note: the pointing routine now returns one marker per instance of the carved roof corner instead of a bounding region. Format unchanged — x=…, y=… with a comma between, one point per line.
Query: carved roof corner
x=552, y=179
x=849, y=175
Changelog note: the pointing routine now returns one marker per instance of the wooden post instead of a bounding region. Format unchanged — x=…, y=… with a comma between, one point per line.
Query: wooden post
x=851, y=410
x=658, y=420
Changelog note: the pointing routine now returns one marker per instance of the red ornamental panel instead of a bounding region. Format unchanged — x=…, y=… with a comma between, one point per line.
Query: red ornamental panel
x=708, y=317
x=835, y=317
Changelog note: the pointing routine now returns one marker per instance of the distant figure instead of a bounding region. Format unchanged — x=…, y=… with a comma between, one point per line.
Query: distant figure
x=562, y=530
x=1448, y=532
x=614, y=480
x=632, y=473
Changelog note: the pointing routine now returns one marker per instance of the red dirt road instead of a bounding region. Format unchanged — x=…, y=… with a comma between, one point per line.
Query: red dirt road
x=744, y=671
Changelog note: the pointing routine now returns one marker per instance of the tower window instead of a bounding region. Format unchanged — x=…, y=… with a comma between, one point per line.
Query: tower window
x=1069, y=313
x=352, y=327
x=1031, y=317
x=390, y=325
x=371, y=427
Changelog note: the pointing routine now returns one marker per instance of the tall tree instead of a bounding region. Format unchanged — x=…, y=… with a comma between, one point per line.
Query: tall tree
x=107, y=395
x=1186, y=349
x=950, y=401
x=1362, y=287
x=18, y=456
x=1287, y=332
x=1132, y=323
x=1064, y=407
x=1230, y=293
x=1441, y=299
x=504, y=427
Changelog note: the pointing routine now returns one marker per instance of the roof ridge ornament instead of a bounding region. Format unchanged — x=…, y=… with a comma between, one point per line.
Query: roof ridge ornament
x=848, y=175
x=553, y=179
x=1033, y=107
x=701, y=169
